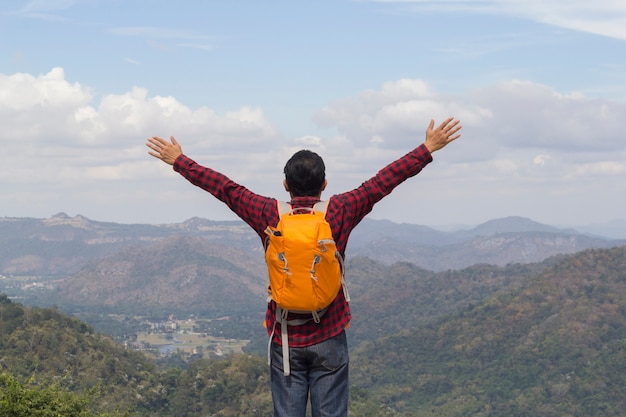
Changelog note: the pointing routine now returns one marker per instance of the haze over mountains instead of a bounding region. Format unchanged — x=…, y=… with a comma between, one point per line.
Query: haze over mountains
x=214, y=269
x=61, y=245
x=542, y=338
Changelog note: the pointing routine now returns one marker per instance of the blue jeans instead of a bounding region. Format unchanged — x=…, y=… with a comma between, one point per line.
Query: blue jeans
x=320, y=370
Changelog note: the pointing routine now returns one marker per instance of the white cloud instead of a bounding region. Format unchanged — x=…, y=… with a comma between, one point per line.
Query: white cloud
x=601, y=17
x=37, y=6
x=40, y=107
x=155, y=32
x=395, y=116
x=515, y=131
x=517, y=136
x=541, y=160
x=188, y=39
x=512, y=114
x=309, y=141
x=200, y=46
x=45, y=9
x=66, y=137
x=21, y=91
x=600, y=168
x=530, y=115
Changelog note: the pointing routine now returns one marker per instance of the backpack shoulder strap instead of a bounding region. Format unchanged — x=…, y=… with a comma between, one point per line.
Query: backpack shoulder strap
x=321, y=206
x=283, y=207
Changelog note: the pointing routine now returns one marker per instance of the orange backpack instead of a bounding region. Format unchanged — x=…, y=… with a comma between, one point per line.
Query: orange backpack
x=305, y=269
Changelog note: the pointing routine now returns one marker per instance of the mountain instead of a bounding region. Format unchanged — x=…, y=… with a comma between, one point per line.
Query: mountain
x=496, y=242
x=60, y=246
x=544, y=339
x=514, y=224
x=185, y=274
x=43, y=347
x=553, y=346
x=386, y=299
x=50, y=347
x=614, y=229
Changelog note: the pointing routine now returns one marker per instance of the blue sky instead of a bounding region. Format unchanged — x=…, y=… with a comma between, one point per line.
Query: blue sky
x=540, y=87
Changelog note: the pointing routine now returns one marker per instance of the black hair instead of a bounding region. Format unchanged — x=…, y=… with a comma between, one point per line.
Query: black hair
x=305, y=174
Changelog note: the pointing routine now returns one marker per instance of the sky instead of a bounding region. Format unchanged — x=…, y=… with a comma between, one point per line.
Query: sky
x=538, y=85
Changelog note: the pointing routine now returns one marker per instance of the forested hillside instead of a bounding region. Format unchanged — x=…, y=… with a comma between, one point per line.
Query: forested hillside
x=556, y=346
x=543, y=339
x=53, y=349
x=387, y=299
x=186, y=275
x=45, y=348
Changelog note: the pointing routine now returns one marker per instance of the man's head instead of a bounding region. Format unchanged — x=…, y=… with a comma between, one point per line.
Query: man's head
x=305, y=174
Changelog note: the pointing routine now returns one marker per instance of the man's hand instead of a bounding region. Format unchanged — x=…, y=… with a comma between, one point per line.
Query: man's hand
x=164, y=150
x=442, y=135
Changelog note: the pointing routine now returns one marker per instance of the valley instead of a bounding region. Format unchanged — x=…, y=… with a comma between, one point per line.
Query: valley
x=188, y=338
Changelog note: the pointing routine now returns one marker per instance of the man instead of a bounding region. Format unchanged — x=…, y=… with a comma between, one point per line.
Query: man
x=318, y=351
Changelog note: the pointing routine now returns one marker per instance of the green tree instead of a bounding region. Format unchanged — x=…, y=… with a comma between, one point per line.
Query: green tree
x=23, y=400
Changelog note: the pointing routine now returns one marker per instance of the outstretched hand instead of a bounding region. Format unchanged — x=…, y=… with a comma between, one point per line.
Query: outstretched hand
x=164, y=150
x=445, y=133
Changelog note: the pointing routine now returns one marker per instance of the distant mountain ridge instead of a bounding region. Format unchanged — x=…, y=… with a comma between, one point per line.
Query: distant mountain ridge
x=61, y=245
x=514, y=224
x=497, y=242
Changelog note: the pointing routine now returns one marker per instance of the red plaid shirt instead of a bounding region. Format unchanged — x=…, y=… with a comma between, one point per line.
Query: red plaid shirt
x=344, y=212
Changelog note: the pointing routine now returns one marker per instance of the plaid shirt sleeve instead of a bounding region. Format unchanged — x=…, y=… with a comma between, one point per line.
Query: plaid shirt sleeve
x=344, y=212
x=256, y=210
